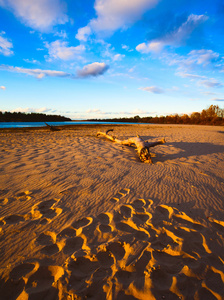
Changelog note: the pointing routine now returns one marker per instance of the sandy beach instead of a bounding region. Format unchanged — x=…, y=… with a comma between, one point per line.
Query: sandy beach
x=82, y=218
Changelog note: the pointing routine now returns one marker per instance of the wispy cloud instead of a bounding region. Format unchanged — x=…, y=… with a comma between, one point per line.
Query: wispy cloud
x=201, y=80
x=217, y=99
x=2, y=87
x=60, y=50
x=40, y=15
x=31, y=61
x=211, y=83
x=114, y=14
x=174, y=38
x=152, y=89
x=94, y=111
x=38, y=73
x=127, y=48
x=135, y=112
x=207, y=93
x=5, y=45
x=203, y=56
x=191, y=76
x=196, y=59
x=94, y=69
x=61, y=34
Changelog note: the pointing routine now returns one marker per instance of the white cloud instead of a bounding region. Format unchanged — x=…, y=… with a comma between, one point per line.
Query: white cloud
x=38, y=73
x=115, y=14
x=39, y=14
x=2, y=87
x=83, y=33
x=30, y=110
x=152, y=89
x=150, y=47
x=5, y=45
x=61, y=50
x=118, y=57
x=174, y=38
x=93, y=69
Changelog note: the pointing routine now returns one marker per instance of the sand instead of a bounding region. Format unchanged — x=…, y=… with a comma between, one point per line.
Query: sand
x=82, y=218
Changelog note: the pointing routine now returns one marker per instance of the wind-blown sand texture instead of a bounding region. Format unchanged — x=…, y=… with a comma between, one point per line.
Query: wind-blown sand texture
x=82, y=218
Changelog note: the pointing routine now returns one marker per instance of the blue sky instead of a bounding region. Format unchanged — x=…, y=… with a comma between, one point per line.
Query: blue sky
x=111, y=58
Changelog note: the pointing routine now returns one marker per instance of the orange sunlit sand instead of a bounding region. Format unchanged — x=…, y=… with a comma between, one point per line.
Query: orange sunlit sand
x=82, y=218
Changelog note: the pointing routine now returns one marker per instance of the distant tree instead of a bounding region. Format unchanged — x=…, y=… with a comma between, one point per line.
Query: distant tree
x=214, y=115
x=185, y=119
x=30, y=117
x=195, y=117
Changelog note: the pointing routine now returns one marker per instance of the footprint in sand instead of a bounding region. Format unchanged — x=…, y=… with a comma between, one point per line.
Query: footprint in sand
x=141, y=218
x=105, y=258
x=48, y=239
x=135, y=252
x=69, y=232
x=23, y=196
x=43, y=283
x=81, y=270
x=122, y=193
x=105, y=218
x=82, y=222
x=126, y=211
x=117, y=249
x=46, y=210
x=140, y=205
x=13, y=219
x=32, y=281
x=73, y=244
x=105, y=228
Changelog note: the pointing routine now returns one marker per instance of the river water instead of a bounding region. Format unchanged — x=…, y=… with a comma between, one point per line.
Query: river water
x=42, y=124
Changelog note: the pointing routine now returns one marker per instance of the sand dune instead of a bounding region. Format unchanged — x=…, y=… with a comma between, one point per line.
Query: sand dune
x=83, y=218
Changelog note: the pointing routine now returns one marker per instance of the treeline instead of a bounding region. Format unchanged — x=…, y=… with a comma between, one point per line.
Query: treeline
x=213, y=115
x=30, y=117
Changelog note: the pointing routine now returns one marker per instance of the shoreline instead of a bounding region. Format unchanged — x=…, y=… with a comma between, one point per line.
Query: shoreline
x=75, y=126
x=79, y=126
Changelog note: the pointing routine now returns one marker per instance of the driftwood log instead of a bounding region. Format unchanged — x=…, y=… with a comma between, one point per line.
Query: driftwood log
x=142, y=146
x=52, y=128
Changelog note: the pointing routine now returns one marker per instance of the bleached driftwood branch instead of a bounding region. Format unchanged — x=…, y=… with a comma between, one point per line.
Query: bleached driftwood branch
x=142, y=146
